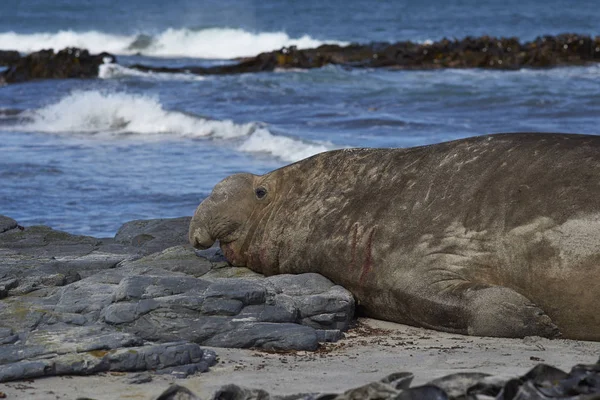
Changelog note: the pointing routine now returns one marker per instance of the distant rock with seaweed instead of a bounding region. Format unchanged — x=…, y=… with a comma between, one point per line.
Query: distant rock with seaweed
x=46, y=64
x=481, y=52
x=471, y=52
x=9, y=57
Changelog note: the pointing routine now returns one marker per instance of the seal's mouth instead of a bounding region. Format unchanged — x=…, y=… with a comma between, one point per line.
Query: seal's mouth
x=200, y=239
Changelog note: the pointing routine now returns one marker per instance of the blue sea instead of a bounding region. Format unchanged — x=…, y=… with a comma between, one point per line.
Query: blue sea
x=86, y=156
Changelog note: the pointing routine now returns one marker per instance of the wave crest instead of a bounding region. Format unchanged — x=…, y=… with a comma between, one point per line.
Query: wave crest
x=112, y=115
x=172, y=42
x=116, y=71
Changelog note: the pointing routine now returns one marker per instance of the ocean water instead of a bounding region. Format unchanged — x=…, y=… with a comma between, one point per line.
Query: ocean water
x=88, y=155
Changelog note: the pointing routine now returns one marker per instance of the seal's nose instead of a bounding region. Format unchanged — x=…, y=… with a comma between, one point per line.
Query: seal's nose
x=195, y=243
x=200, y=239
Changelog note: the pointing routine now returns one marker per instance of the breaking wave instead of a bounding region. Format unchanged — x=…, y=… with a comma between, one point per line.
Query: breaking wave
x=115, y=71
x=112, y=115
x=169, y=43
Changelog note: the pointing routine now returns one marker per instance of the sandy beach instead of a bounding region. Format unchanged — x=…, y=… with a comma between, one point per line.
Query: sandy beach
x=369, y=352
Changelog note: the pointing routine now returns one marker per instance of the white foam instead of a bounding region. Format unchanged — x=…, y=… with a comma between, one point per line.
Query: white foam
x=286, y=148
x=94, y=41
x=111, y=71
x=214, y=43
x=112, y=115
x=223, y=43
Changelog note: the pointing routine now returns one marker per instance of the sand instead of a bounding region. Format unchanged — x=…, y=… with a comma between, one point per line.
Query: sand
x=370, y=352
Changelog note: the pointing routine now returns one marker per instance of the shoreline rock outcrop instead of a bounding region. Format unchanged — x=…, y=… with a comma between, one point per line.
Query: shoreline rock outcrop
x=471, y=52
x=479, y=52
x=46, y=64
x=144, y=300
x=9, y=57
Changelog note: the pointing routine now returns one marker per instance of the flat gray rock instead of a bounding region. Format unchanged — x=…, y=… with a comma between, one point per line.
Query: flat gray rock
x=7, y=223
x=135, y=358
x=42, y=240
x=154, y=235
x=227, y=312
x=80, y=305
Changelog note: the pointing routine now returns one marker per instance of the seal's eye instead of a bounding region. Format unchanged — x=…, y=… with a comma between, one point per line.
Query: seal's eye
x=260, y=192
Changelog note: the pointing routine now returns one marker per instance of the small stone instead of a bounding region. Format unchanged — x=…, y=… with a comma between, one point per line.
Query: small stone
x=235, y=392
x=329, y=335
x=176, y=392
x=7, y=223
x=455, y=385
x=137, y=379
x=183, y=371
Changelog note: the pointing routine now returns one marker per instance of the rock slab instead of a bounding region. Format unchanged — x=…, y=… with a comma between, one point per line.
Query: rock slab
x=144, y=300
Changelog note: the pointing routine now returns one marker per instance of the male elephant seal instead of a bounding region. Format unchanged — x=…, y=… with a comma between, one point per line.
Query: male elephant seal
x=494, y=235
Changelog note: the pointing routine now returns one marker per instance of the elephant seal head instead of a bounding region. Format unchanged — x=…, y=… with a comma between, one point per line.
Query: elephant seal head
x=230, y=214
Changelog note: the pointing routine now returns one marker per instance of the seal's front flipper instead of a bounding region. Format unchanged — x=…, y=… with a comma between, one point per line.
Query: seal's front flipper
x=460, y=306
x=500, y=311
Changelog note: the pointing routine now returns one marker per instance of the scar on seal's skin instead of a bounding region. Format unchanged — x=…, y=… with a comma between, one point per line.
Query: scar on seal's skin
x=228, y=251
x=353, y=247
x=368, y=264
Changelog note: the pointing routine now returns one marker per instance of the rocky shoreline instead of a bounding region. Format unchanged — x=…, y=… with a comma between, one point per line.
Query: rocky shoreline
x=480, y=52
x=146, y=302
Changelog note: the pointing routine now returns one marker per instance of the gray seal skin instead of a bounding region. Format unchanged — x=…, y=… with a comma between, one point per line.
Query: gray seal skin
x=494, y=235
